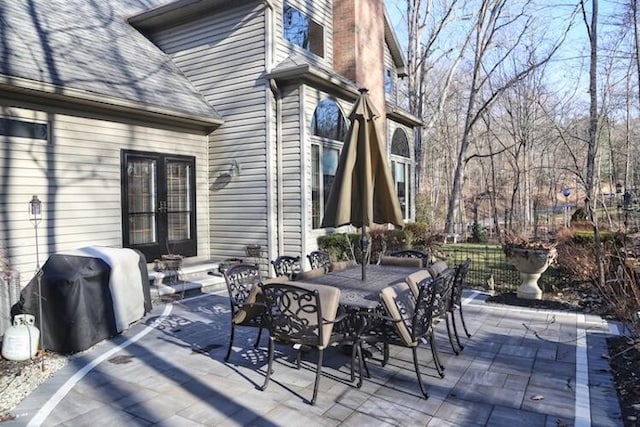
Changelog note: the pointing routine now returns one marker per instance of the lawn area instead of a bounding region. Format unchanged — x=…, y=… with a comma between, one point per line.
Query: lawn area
x=488, y=264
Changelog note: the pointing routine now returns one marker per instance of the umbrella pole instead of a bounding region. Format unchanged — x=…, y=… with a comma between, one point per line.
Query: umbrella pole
x=363, y=238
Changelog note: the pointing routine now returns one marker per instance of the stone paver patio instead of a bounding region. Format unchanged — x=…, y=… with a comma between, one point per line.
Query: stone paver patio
x=520, y=367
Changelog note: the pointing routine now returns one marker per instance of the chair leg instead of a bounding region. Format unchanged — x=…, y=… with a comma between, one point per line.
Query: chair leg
x=453, y=347
x=298, y=358
x=416, y=365
x=354, y=354
x=269, y=365
x=455, y=330
x=364, y=362
x=385, y=354
x=233, y=329
x=258, y=339
x=464, y=325
x=436, y=358
x=318, y=373
x=357, y=352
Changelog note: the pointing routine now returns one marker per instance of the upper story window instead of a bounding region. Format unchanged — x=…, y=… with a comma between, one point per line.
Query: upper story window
x=388, y=81
x=302, y=31
x=328, y=121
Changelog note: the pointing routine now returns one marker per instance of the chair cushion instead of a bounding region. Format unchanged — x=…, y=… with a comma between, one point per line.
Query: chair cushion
x=416, y=277
x=250, y=309
x=437, y=268
x=400, y=261
x=278, y=279
x=329, y=301
x=342, y=265
x=394, y=298
x=311, y=274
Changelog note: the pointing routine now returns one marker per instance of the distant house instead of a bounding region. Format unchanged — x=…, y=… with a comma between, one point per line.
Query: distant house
x=196, y=127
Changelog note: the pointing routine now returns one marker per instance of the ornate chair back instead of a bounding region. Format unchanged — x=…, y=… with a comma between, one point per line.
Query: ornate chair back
x=320, y=259
x=286, y=265
x=414, y=253
x=301, y=314
x=242, y=283
x=458, y=284
x=245, y=299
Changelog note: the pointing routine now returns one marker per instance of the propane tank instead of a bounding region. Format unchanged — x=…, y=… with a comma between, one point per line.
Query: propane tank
x=20, y=341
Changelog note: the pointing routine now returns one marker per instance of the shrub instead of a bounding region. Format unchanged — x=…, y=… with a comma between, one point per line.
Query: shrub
x=580, y=215
x=587, y=237
x=341, y=246
x=420, y=233
x=478, y=234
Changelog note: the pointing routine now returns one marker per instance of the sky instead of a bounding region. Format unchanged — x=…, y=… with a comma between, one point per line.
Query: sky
x=569, y=69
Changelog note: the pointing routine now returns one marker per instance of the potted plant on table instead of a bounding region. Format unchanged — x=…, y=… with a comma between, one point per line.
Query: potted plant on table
x=531, y=259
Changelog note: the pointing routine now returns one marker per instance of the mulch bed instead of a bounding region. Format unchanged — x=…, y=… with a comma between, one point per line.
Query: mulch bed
x=624, y=352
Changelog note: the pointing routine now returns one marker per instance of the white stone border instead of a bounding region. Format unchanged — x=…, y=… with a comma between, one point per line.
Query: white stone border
x=60, y=394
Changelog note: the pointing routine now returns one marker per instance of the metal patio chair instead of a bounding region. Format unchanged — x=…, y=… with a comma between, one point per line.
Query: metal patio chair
x=303, y=315
x=412, y=320
x=286, y=265
x=455, y=303
x=320, y=259
x=245, y=298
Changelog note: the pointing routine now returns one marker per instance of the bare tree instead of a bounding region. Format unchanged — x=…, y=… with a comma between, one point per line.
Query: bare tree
x=428, y=22
x=502, y=29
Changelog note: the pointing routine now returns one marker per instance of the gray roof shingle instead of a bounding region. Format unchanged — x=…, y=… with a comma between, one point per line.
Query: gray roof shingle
x=87, y=46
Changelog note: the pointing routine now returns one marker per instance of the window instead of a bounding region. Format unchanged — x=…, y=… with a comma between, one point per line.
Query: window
x=329, y=129
x=325, y=164
x=388, y=81
x=158, y=211
x=328, y=121
x=23, y=129
x=401, y=169
x=302, y=31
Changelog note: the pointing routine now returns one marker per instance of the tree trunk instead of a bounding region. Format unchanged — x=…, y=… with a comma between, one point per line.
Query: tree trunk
x=592, y=150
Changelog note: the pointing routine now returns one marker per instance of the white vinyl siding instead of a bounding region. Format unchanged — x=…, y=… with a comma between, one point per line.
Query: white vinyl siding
x=292, y=174
x=76, y=174
x=224, y=57
x=322, y=13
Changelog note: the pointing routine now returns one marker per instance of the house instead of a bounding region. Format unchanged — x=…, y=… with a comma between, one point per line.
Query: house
x=198, y=127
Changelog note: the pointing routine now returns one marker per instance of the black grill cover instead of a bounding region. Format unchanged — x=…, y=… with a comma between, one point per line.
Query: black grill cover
x=77, y=305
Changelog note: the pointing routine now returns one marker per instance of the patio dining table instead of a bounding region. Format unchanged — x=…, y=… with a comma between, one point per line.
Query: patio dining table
x=358, y=294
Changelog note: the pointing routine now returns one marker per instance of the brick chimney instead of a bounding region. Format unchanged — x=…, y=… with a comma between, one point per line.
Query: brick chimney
x=358, y=45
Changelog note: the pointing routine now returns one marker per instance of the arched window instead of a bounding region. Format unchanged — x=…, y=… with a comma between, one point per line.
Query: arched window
x=328, y=121
x=330, y=127
x=399, y=144
x=401, y=169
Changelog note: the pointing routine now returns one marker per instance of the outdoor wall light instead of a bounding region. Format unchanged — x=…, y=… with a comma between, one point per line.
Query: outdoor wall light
x=35, y=210
x=35, y=216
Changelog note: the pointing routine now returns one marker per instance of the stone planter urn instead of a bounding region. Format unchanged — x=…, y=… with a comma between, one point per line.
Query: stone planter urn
x=530, y=263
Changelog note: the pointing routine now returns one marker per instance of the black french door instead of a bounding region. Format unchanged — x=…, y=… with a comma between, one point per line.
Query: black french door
x=158, y=203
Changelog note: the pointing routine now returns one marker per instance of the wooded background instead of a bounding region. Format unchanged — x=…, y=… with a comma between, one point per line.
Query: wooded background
x=521, y=99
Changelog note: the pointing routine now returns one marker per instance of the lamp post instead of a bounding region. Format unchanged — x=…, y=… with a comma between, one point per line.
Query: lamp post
x=618, y=201
x=35, y=216
x=627, y=199
x=566, y=192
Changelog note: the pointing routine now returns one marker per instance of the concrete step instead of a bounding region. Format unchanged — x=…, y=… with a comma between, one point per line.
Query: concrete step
x=202, y=276
x=209, y=284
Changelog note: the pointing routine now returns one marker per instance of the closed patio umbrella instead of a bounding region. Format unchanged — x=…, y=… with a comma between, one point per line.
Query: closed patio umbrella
x=362, y=192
